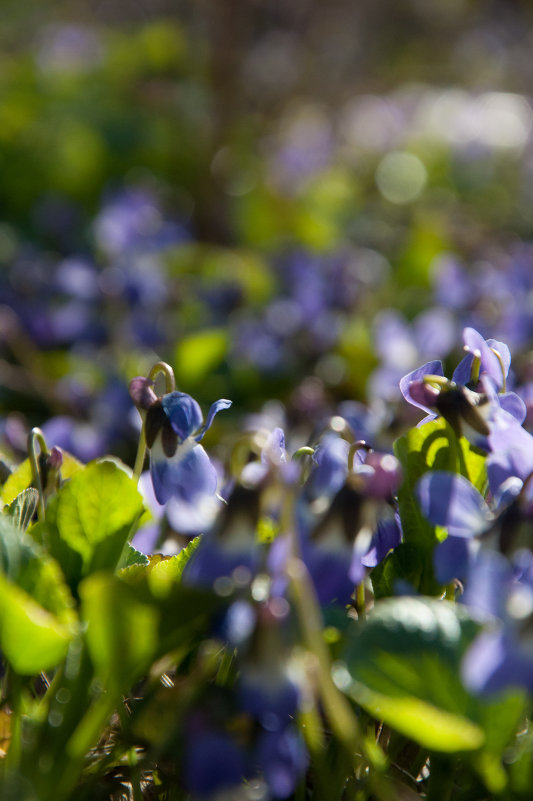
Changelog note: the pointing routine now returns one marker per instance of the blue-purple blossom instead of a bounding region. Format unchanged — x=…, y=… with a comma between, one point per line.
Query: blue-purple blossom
x=470, y=413
x=386, y=537
x=511, y=458
x=494, y=359
x=183, y=476
x=449, y=500
x=229, y=548
x=213, y=761
x=415, y=379
x=273, y=459
x=331, y=466
x=501, y=594
x=282, y=759
x=179, y=466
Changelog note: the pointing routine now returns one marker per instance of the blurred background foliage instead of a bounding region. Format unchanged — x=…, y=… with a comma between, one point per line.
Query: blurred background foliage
x=291, y=201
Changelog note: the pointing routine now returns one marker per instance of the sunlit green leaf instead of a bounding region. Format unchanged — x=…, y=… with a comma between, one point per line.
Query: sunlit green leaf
x=37, y=618
x=422, y=722
x=89, y=521
x=404, y=663
x=200, y=353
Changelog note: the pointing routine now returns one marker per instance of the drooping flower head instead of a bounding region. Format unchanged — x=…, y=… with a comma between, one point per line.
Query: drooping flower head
x=183, y=476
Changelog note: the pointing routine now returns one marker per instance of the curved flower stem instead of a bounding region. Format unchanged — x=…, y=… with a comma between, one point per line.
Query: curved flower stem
x=170, y=386
x=36, y=435
x=168, y=372
x=305, y=450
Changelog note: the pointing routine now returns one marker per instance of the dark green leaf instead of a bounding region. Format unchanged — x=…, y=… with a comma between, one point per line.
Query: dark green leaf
x=404, y=662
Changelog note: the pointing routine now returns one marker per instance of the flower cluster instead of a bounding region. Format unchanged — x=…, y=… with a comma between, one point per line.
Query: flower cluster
x=488, y=543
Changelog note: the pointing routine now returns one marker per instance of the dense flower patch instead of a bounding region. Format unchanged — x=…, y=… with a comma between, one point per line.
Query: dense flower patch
x=323, y=619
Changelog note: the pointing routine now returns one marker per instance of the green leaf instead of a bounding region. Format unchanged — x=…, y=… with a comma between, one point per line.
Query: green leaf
x=19, y=479
x=37, y=618
x=168, y=571
x=89, y=521
x=131, y=556
x=122, y=630
x=199, y=354
x=32, y=639
x=424, y=723
x=22, y=509
x=163, y=614
x=160, y=571
x=403, y=664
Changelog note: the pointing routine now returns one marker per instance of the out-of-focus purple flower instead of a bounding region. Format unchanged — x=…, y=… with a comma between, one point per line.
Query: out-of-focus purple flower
x=452, y=285
x=273, y=458
x=230, y=548
x=132, y=221
x=213, y=761
x=526, y=393
x=401, y=345
x=511, y=457
x=366, y=422
x=380, y=475
x=78, y=278
x=147, y=538
x=264, y=687
x=331, y=466
x=450, y=500
x=501, y=656
x=282, y=759
x=334, y=546
x=387, y=536
x=69, y=49
x=84, y=440
x=258, y=345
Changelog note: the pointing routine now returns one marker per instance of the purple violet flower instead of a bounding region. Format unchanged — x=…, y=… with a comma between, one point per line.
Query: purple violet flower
x=230, y=548
x=502, y=595
x=449, y=500
x=183, y=476
x=179, y=466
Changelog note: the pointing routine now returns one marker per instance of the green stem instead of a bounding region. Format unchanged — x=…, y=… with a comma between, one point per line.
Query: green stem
x=167, y=371
x=339, y=713
x=305, y=450
x=141, y=453
x=360, y=602
x=37, y=435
